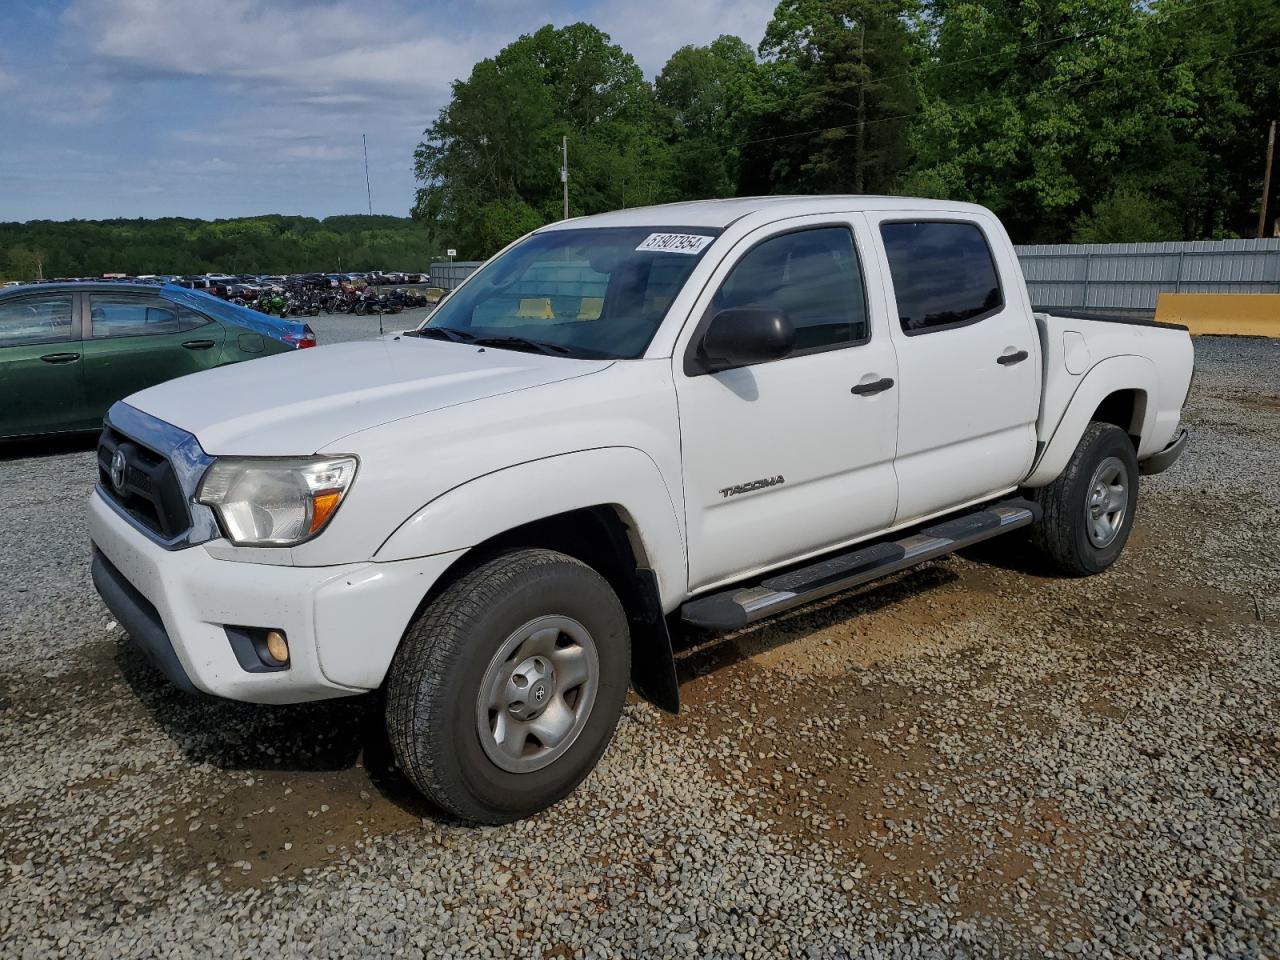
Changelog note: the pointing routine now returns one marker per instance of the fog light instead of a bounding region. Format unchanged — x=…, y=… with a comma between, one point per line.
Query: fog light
x=277, y=645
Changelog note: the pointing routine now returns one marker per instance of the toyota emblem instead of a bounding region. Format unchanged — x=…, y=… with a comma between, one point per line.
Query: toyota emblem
x=117, y=470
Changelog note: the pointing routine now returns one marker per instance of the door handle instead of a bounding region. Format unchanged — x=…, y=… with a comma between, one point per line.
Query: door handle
x=875, y=386
x=1009, y=359
x=198, y=344
x=60, y=357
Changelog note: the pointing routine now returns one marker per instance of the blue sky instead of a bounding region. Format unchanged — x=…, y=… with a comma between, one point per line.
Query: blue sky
x=223, y=108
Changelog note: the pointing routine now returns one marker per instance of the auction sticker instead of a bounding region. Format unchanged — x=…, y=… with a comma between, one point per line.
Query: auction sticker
x=675, y=242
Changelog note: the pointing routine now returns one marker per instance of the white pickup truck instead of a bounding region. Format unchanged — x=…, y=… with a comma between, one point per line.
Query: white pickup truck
x=702, y=413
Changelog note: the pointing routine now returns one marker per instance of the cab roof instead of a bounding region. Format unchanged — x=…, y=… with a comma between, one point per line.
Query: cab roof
x=720, y=213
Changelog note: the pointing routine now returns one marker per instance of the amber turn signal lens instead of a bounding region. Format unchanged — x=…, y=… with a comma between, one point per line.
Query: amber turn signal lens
x=278, y=646
x=322, y=506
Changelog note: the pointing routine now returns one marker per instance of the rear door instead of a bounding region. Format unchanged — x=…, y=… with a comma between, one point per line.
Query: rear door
x=41, y=366
x=133, y=341
x=967, y=358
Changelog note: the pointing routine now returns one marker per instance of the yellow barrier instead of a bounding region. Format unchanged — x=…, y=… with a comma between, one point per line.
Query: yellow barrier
x=1234, y=314
x=536, y=308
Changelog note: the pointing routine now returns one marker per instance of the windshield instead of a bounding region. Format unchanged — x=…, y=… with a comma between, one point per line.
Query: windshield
x=592, y=292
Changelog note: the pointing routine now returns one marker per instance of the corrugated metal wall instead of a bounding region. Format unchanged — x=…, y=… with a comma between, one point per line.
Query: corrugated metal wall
x=448, y=275
x=1130, y=276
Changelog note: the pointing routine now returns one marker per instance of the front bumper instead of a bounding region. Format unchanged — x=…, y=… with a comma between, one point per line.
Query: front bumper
x=343, y=622
x=1166, y=458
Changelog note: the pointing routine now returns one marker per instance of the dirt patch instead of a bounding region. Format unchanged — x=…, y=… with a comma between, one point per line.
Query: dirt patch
x=243, y=795
x=856, y=764
x=273, y=826
x=1261, y=402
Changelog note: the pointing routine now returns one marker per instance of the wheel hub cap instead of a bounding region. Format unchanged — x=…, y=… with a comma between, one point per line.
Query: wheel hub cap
x=537, y=693
x=1108, y=502
x=531, y=687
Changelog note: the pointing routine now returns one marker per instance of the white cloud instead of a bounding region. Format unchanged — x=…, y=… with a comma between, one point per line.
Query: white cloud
x=242, y=106
x=654, y=30
x=328, y=54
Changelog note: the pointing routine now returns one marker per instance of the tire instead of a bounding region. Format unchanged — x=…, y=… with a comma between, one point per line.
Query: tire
x=1085, y=528
x=446, y=692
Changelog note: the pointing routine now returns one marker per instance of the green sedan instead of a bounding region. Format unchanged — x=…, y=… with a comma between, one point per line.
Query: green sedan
x=68, y=351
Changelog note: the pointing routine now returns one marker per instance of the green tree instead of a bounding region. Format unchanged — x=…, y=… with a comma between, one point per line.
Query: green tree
x=707, y=95
x=269, y=244
x=20, y=262
x=502, y=221
x=838, y=95
x=1042, y=112
x=498, y=139
x=1125, y=217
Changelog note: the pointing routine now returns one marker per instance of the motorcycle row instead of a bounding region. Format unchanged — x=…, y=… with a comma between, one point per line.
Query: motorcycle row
x=298, y=299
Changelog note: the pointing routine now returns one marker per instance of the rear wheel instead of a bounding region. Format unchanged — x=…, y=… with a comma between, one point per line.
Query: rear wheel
x=507, y=687
x=1089, y=508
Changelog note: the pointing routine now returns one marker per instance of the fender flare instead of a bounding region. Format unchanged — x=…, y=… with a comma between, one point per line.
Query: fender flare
x=622, y=477
x=1104, y=378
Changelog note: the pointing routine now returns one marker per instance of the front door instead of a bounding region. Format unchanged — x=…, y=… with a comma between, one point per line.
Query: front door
x=134, y=341
x=968, y=357
x=783, y=459
x=41, y=366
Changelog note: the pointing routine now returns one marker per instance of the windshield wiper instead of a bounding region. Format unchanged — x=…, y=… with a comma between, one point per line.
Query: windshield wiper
x=521, y=343
x=443, y=333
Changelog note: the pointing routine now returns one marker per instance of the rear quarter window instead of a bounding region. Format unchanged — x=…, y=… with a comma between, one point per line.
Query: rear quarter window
x=944, y=274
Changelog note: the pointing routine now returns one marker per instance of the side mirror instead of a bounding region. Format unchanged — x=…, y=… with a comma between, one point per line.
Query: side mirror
x=742, y=336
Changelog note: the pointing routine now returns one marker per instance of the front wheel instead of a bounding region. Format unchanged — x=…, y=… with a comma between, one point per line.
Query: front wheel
x=507, y=687
x=1089, y=508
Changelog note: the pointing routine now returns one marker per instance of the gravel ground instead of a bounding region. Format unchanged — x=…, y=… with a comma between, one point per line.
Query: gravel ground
x=972, y=760
x=338, y=327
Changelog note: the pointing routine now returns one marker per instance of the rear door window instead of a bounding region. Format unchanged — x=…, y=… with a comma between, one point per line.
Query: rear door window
x=943, y=273
x=35, y=319
x=113, y=316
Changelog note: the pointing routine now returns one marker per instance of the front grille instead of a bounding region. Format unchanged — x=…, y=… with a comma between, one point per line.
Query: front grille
x=148, y=490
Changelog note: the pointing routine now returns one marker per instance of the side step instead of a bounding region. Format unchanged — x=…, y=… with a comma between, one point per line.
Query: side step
x=738, y=606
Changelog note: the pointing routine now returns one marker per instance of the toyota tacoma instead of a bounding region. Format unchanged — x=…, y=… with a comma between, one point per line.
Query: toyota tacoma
x=702, y=413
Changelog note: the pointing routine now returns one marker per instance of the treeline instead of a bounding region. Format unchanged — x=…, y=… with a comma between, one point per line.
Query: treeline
x=1075, y=120
x=268, y=244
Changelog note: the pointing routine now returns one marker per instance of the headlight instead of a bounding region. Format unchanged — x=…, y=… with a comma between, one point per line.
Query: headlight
x=275, y=503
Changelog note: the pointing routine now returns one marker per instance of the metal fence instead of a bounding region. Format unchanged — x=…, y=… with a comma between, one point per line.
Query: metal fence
x=1130, y=276
x=447, y=274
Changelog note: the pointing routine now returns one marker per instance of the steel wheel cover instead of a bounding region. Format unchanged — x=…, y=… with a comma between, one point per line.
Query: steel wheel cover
x=537, y=693
x=1107, y=502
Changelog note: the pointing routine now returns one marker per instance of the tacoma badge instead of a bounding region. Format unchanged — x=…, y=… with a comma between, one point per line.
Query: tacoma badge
x=738, y=488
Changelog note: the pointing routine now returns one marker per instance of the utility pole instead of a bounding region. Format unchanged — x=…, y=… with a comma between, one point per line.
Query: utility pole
x=368, y=190
x=1266, y=182
x=859, y=178
x=564, y=173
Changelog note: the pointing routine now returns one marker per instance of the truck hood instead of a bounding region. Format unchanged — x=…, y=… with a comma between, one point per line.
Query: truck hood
x=294, y=404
